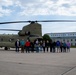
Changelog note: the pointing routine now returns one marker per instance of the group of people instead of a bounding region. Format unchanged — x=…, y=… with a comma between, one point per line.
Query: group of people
x=42, y=46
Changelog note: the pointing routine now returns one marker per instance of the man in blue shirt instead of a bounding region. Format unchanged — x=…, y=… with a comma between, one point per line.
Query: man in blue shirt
x=58, y=46
x=22, y=43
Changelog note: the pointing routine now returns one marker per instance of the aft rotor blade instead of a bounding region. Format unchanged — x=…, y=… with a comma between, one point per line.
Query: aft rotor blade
x=57, y=21
x=9, y=30
x=14, y=22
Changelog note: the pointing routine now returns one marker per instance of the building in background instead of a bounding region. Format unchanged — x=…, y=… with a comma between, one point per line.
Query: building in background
x=67, y=36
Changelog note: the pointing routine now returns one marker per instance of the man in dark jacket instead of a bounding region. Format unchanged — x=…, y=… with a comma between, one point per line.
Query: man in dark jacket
x=47, y=45
x=17, y=45
x=53, y=46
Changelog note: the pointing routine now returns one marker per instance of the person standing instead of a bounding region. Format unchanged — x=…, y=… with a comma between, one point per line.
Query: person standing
x=68, y=46
x=51, y=46
x=22, y=43
x=61, y=46
x=17, y=45
x=64, y=46
x=32, y=46
x=43, y=45
x=27, y=45
x=58, y=46
x=47, y=45
x=37, y=46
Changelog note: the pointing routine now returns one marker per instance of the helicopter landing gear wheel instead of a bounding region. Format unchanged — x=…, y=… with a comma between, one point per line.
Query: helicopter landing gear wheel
x=6, y=48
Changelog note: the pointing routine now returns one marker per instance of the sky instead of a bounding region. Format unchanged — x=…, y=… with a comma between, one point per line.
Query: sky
x=24, y=10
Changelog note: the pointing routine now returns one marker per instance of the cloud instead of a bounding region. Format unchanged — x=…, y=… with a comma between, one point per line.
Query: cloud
x=49, y=7
x=6, y=3
x=4, y=10
x=39, y=7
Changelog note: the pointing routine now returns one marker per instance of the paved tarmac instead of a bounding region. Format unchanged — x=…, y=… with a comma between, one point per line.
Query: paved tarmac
x=12, y=63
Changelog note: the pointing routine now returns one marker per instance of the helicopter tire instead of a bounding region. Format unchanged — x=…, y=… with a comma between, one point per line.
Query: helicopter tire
x=6, y=48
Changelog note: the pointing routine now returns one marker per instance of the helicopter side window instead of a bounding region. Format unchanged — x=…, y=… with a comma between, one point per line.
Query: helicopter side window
x=27, y=33
x=1, y=39
x=11, y=39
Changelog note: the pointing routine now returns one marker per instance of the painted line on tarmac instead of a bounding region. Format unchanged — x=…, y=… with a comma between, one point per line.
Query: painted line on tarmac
x=68, y=70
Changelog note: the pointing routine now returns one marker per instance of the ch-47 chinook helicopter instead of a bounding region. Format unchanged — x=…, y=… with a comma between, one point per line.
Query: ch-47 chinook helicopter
x=32, y=31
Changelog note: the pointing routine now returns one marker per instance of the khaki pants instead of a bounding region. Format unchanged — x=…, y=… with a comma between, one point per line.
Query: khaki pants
x=22, y=49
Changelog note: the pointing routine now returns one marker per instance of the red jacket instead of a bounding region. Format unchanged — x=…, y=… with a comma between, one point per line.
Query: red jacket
x=27, y=44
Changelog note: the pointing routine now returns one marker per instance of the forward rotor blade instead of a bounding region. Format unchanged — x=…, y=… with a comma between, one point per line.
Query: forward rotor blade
x=14, y=22
x=9, y=30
